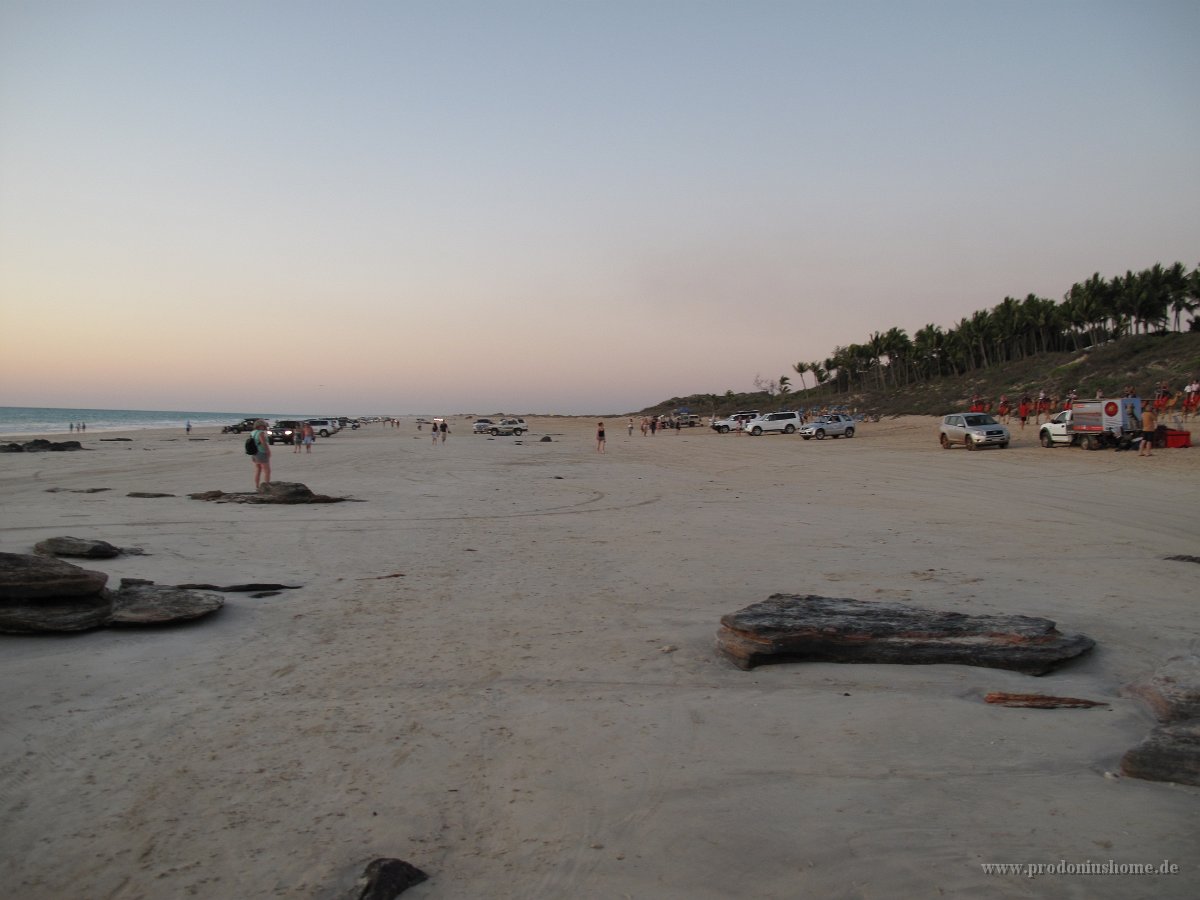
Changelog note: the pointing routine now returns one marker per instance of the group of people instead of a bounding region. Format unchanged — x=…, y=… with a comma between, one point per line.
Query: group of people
x=438, y=431
x=1186, y=401
x=72, y=427
x=303, y=436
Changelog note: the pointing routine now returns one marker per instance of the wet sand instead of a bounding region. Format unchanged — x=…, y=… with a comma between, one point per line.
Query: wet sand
x=500, y=666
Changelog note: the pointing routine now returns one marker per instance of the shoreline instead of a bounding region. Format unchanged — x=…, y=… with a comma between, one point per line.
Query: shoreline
x=500, y=666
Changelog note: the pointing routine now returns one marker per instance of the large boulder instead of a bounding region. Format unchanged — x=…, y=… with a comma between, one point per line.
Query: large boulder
x=55, y=614
x=791, y=628
x=73, y=546
x=27, y=577
x=1173, y=691
x=150, y=604
x=1169, y=753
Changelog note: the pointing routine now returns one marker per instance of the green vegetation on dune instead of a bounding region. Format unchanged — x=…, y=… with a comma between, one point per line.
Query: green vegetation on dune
x=1102, y=336
x=1142, y=361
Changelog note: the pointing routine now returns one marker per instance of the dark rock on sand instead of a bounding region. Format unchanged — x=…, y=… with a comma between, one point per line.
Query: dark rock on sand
x=238, y=588
x=1169, y=753
x=55, y=614
x=73, y=546
x=386, y=879
x=1173, y=691
x=41, y=444
x=27, y=577
x=282, y=492
x=792, y=628
x=148, y=495
x=77, y=490
x=150, y=604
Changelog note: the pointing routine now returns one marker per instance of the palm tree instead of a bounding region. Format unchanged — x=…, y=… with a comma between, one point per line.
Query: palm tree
x=800, y=368
x=785, y=388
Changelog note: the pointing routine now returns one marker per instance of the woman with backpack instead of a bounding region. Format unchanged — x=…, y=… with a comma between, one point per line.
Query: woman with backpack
x=262, y=458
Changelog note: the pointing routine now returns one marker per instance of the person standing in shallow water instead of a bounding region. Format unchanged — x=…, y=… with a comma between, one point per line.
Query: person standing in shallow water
x=600, y=437
x=261, y=459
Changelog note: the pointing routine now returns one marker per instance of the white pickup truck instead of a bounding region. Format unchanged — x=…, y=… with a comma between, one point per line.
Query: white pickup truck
x=1093, y=424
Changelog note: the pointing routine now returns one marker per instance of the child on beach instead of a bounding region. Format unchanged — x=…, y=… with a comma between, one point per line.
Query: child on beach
x=600, y=437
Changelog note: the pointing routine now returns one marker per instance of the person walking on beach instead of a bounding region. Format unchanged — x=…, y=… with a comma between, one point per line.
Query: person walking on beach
x=188, y=427
x=261, y=459
x=443, y=430
x=631, y=426
x=309, y=438
x=1149, y=424
x=600, y=437
x=1023, y=410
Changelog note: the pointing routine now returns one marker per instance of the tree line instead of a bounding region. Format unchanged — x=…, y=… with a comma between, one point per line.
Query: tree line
x=1091, y=312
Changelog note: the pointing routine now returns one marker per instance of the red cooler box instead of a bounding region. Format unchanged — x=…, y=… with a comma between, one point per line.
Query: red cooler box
x=1178, y=438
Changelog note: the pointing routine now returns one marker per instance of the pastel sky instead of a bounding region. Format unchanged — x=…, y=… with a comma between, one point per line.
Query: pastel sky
x=557, y=205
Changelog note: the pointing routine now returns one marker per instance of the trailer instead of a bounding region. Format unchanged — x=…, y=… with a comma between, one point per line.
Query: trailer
x=1094, y=424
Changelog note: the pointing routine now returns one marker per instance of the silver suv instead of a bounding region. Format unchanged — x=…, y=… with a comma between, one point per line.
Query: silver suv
x=832, y=425
x=975, y=430
x=780, y=422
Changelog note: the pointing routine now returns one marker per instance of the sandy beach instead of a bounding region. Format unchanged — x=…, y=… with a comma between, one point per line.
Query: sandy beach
x=500, y=666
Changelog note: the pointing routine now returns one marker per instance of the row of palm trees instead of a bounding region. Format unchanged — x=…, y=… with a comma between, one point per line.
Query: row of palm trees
x=1090, y=313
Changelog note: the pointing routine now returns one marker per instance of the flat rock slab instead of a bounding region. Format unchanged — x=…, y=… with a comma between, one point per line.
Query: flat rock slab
x=1169, y=753
x=809, y=628
x=149, y=604
x=55, y=614
x=73, y=546
x=282, y=492
x=39, y=445
x=1173, y=691
x=25, y=577
x=1039, y=701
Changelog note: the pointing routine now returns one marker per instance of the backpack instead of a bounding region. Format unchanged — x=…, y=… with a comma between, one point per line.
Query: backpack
x=251, y=446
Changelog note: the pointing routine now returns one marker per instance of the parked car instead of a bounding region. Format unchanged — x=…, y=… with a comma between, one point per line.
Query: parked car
x=483, y=426
x=974, y=430
x=285, y=431
x=508, y=426
x=779, y=422
x=688, y=420
x=734, y=422
x=324, y=427
x=244, y=425
x=832, y=425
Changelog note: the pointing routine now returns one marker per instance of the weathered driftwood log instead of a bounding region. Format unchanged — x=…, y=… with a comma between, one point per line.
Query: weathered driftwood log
x=793, y=628
x=1169, y=753
x=1039, y=701
x=73, y=546
x=1173, y=691
x=386, y=879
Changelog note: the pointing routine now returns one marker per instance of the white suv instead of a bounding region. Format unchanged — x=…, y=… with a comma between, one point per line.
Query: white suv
x=734, y=422
x=324, y=427
x=785, y=422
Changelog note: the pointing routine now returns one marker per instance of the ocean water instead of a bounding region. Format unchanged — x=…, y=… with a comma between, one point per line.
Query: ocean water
x=38, y=421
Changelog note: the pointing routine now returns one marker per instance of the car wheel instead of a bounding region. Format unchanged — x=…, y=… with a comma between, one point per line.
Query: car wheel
x=1045, y=439
x=1093, y=442
x=724, y=429
x=495, y=432
x=945, y=442
x=820, y=434
x=324, y=432
x=849, y=432
x=756, y=431
x=518, y=432
x=971, y=445
x=790, y=429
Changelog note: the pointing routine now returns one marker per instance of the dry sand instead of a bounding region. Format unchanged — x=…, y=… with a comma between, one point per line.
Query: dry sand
x=501, y=668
